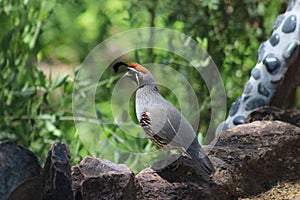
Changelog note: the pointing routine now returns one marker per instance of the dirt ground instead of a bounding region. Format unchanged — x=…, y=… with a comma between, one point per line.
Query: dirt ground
x=289, y=190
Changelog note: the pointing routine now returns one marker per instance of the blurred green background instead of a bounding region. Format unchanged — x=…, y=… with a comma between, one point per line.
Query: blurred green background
x=42, y=42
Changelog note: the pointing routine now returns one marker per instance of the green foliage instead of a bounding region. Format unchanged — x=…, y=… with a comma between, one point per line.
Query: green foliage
x=31, y=105
x=36, y=110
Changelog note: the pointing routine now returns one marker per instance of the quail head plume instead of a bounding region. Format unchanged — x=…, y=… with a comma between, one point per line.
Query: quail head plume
x=161, y=121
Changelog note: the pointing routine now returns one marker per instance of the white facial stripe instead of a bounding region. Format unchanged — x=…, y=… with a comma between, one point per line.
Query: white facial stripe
x=133, y=69
x=137, y=79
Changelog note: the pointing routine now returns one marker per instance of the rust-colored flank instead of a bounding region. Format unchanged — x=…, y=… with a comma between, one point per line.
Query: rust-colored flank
x=138, y=67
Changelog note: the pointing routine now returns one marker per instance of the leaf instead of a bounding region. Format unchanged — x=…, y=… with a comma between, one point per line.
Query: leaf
x=98, y=112
x=26, y=93
x=42, y=78
x=5, y=24
x=59, y=81
x=39, y=56
x=50, y=126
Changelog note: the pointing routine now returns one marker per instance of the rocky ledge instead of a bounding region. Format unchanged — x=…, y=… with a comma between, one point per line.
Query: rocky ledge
x=249, y=159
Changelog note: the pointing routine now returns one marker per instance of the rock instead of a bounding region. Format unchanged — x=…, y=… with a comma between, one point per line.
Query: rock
x=57, y=182
x=249, y=159
x=28, y=190
x=18, y=166
x=174, y=182
x=95, y=179
x=256, y=156
x=273, y=113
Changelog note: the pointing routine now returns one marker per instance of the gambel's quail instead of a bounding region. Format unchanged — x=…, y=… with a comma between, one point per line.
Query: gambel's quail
x=161, y=121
